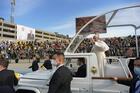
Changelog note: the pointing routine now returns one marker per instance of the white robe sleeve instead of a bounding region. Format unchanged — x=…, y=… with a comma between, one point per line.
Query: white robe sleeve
x=102, y=46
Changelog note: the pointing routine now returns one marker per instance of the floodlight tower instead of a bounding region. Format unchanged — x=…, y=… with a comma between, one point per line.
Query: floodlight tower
x=13, y=3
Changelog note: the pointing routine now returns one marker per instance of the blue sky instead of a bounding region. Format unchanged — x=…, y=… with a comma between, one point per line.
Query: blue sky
x=58, y=15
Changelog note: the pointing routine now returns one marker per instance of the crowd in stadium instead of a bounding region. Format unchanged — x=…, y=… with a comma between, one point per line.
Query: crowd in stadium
x=117, y=45
x=26, y=50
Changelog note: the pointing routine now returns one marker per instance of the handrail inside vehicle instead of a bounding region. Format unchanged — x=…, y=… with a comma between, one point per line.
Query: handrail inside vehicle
x=112, y=78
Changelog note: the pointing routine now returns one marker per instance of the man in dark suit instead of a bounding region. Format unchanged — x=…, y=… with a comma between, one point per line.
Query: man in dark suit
x=35, y=66
x=135, y=82
x=47, y=63
x=129, y=54
x=7, y=78
x=61, y=79
x=81, y=72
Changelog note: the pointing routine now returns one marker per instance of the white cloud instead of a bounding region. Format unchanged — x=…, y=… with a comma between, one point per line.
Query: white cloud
x=118, y=32
x=101, y=10
x=129, y=16
x=25, y=6
x=62, y=26
x=67, y=28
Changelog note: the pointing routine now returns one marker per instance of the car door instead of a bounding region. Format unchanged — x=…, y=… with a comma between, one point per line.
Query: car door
x=78, y=84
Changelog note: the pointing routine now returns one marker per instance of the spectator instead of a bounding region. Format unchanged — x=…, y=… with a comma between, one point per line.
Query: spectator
x=129, y=52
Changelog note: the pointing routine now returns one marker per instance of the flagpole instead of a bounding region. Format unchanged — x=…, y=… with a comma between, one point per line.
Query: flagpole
x=13, y=3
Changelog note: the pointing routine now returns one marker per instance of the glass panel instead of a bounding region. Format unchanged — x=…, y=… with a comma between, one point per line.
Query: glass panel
x=116, y=28
x=78, y=66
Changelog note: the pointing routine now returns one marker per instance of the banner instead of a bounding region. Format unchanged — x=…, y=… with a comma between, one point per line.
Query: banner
x=98, y=25
x=25, y=33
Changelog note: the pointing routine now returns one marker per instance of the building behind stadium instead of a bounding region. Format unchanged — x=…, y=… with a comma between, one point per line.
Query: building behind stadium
x=9, y=31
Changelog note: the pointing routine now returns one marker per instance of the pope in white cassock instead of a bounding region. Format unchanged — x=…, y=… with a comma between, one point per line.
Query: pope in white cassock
x=99, y=48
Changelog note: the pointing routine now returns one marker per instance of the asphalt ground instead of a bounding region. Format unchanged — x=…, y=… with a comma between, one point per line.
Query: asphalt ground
x=22, y=66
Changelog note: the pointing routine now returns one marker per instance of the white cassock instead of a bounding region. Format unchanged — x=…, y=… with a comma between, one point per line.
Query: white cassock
x=99, y=49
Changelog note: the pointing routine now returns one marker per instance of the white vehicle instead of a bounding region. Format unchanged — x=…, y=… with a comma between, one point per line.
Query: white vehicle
x=94, y=82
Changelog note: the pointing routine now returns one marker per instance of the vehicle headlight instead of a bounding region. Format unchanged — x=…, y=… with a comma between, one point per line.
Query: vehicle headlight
x=18, y=75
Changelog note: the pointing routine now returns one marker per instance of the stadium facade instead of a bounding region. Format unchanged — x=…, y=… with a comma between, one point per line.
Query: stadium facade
x=8, y=31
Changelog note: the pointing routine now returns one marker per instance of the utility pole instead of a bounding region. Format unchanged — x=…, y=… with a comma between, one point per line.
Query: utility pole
x=13, y=3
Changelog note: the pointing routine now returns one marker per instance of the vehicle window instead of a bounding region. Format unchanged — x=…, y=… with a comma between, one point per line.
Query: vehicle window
x=78, y=66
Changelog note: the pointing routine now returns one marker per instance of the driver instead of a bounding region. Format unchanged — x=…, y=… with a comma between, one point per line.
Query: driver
x=81, y=72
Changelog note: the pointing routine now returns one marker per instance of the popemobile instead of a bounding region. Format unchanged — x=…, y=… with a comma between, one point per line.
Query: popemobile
x=100, y=76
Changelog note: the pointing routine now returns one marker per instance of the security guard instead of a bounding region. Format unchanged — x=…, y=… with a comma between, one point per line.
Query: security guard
x=7, y=78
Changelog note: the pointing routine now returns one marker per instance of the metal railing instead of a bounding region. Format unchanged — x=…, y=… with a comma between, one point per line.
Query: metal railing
x=121, y=64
